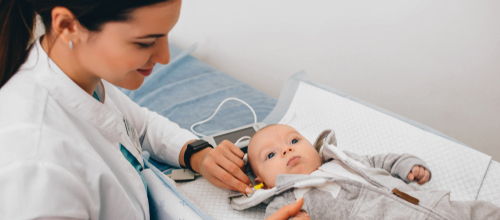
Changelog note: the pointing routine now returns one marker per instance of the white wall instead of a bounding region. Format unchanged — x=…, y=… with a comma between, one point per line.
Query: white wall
x=436, y=62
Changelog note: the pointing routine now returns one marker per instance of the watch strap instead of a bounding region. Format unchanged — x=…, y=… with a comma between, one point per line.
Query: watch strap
x=193, y=148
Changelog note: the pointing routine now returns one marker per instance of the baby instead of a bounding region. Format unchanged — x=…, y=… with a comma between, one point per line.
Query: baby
x=342, y=185
x=280, y=149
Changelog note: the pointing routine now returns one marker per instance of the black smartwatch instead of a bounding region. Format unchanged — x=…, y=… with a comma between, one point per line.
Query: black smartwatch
x=191, y=149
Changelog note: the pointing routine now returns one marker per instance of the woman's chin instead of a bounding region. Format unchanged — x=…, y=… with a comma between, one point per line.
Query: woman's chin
x=135, y=86
x=131, y=84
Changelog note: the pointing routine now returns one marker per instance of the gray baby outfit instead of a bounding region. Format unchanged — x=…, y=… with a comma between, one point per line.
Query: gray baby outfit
x=385, y=197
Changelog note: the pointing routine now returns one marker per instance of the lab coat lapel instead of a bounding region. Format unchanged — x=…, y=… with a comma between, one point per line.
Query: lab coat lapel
x=107, y=121
x=75, y=100
x=129, y=135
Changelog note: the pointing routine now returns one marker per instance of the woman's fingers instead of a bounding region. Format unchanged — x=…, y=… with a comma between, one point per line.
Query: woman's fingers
x=221, y=184
x=229, y=159
x=230, y=181
x=211, y=171
x=229, y=154
x=229, y=166
x=287, y=211
x=233, y=148
x=233, y=169
x=223, y=167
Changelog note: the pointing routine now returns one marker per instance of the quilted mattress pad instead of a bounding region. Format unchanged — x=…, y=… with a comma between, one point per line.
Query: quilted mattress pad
x=366, y=131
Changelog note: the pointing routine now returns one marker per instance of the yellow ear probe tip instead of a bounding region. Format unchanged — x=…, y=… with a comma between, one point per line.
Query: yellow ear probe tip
x=257, y=187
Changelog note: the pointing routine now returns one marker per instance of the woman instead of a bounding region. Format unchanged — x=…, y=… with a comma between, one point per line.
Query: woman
x=71, y=142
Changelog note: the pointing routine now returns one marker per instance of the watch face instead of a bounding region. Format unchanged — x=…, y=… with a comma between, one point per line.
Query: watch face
x=200, y=144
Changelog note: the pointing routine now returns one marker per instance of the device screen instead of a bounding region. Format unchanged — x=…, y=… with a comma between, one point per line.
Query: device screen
x=235, y=135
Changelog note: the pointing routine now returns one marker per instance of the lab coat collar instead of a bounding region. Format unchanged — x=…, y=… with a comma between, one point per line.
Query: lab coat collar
x=73, y=98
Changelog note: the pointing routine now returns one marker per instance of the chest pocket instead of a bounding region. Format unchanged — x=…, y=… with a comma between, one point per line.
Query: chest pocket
x=132, y=134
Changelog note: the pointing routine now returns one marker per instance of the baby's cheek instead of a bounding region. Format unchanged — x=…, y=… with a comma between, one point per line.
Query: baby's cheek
x=270, y=180
x=270, y=176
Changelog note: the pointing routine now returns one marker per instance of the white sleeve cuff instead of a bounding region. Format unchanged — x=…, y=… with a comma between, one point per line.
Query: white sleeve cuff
x=164, y=139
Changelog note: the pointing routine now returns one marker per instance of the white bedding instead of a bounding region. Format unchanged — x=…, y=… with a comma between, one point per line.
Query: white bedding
x=363, y=130
x=167, y=204
x=214, y=201
x=490, y=191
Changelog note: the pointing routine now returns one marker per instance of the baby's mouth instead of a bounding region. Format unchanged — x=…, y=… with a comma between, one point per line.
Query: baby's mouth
x=293, y=161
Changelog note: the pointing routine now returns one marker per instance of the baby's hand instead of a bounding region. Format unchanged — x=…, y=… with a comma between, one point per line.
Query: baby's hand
x=420, y=174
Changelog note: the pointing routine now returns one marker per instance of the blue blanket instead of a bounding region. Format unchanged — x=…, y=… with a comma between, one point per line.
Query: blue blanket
x=188, y=90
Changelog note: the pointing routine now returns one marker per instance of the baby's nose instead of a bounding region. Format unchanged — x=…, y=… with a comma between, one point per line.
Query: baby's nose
x=287, y=150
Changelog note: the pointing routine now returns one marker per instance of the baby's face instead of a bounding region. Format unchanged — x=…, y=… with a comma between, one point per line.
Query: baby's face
x=280, y=149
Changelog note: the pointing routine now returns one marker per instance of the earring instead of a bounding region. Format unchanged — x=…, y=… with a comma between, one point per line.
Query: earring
x=71, y=45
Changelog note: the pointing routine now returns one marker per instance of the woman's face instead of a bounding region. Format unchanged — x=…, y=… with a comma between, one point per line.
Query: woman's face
x=124, y=53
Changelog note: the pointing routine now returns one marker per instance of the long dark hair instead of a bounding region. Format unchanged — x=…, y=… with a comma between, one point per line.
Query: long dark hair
x=17, y=18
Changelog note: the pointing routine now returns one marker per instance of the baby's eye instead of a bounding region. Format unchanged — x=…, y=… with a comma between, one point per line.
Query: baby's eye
x=294, y=141
x=270, y=155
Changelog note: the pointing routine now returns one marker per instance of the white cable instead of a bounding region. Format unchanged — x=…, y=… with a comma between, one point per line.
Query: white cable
x=242, y=138
x=245, y=158
x=225, y=100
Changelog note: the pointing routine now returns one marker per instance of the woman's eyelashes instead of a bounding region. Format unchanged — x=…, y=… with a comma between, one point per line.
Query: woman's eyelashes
x=143, y=45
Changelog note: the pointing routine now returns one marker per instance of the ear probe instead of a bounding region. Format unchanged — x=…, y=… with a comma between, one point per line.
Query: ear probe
x=255, y=188
x=242, y=139
x=245, y=160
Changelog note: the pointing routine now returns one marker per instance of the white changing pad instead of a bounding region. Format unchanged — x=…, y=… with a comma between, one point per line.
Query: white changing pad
x=490, y=191
x=364, y=129
x=214, y=201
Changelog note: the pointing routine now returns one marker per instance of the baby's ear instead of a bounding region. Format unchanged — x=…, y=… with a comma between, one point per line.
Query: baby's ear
x=258, y=181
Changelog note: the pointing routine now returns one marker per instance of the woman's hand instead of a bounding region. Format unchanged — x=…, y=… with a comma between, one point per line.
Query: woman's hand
x=292, y=210
x=223, y=167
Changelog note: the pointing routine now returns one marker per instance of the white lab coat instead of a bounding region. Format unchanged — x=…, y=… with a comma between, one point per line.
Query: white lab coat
x=60, y=155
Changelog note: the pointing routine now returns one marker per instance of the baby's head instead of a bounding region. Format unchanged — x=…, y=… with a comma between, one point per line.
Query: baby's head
x=280, y=149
